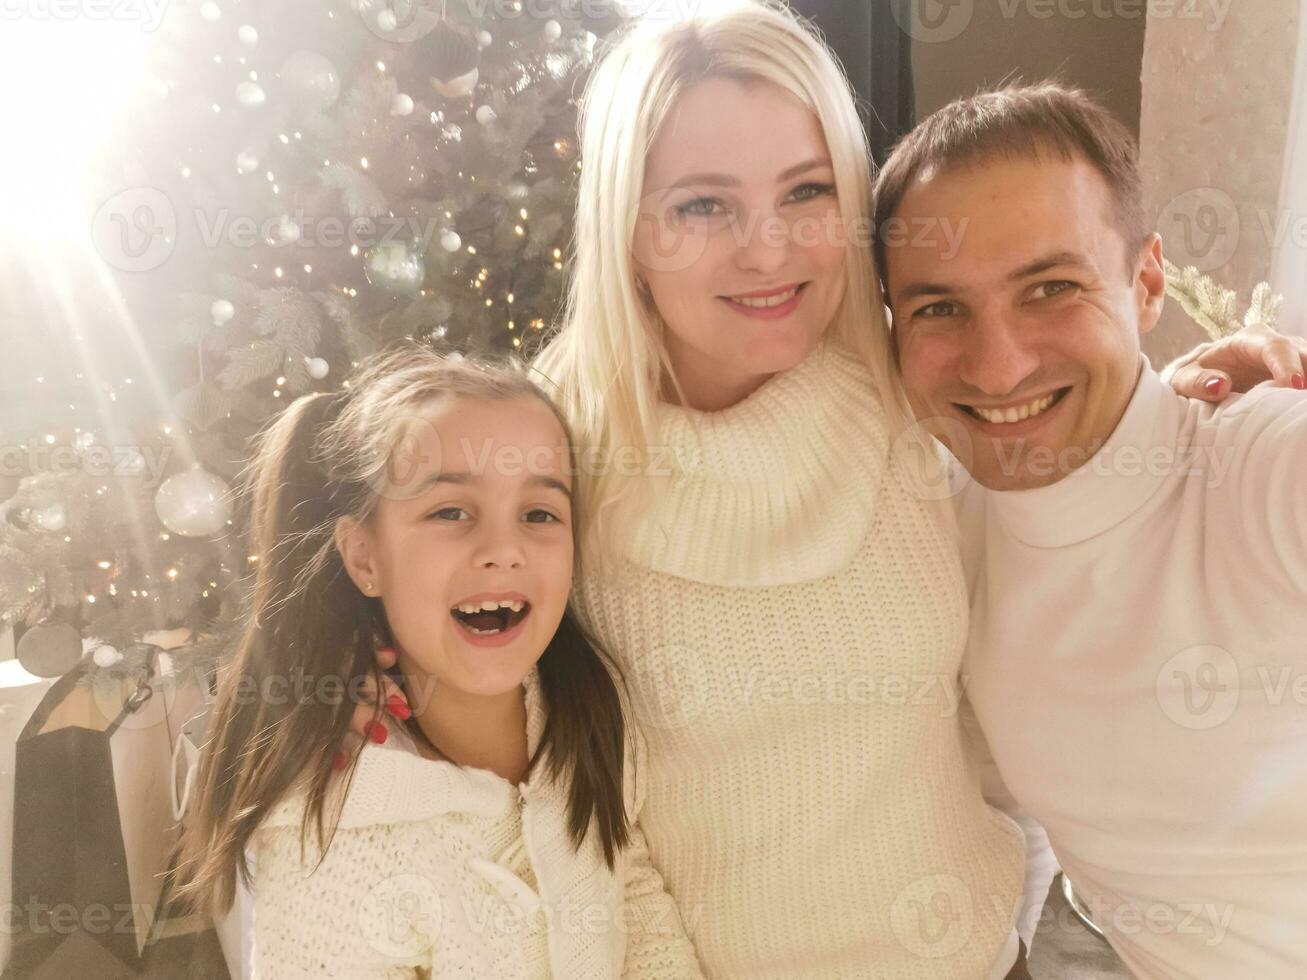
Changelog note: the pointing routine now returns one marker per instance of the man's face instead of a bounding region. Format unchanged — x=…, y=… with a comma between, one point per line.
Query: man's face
x=1018, y=332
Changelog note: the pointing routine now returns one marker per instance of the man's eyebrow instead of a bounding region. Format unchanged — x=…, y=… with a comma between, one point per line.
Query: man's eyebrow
x=539, y=480
x=915, y=289
x=725, y=180
x=1046, y=262
x=1042, y=264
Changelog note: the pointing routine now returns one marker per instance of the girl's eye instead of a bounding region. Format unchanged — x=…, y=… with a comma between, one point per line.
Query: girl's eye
x=538, y=514
x=444, y=512
x=1053, y=288
x=701, y=206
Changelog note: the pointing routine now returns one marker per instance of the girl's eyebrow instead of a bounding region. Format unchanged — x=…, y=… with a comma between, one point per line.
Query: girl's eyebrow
x=538, y=480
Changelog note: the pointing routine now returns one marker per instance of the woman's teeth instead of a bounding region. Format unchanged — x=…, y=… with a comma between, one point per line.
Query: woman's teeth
x=1017, y=413
x=765, y=301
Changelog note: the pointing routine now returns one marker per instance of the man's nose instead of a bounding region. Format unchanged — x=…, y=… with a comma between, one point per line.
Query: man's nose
x=996, y=357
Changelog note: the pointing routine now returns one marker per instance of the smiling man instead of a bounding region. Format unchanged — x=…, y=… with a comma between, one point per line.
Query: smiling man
x=1137, y=560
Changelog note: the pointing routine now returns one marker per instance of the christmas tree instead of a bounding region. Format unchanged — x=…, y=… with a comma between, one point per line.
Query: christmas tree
x=296, y=186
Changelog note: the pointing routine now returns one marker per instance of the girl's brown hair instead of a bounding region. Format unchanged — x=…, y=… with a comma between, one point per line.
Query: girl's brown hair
x=322, y=459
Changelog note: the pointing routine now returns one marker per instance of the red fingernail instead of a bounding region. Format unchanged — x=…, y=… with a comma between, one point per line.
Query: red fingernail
x=1213, y=385
x=376, y=731
x=340, y=761
x=1299, y=382
x=398, y=707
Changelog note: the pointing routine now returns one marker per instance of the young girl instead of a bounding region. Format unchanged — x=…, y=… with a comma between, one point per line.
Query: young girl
x=428, y=509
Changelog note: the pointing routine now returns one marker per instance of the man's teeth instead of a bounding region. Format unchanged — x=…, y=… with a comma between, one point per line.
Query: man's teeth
x=766, y=301
x=490, y=605
x=1015, y=414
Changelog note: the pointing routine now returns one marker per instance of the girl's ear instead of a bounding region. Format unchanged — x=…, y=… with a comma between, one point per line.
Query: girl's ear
x=354, y=543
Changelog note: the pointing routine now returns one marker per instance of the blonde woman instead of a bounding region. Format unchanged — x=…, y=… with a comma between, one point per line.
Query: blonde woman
x=786, y=605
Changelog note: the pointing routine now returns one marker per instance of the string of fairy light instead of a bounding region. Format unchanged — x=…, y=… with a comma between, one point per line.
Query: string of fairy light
x=147, y=589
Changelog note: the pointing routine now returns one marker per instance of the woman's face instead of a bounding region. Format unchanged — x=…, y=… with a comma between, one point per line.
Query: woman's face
x=474, y=507
x=739, y=198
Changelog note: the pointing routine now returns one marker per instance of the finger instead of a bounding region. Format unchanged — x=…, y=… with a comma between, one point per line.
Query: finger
x=1284, y=361
x=1202, y=383
x=396, y=701
x=365, y=724
x=346, y=752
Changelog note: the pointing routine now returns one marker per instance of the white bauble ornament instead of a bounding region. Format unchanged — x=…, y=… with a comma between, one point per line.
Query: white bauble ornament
x=107, y=656
x=312, y=79
x=485, y=115
x=246, y=162
x=222, y=311
x=194, y=503
x=287, y=231
x=50, y=518
x=450, y=241
x=50, y=649
x=250, y=95
x=401, y=104
x=210, y=11
x=484, y=39
x=248, y=35
x=387, y=21
x=395, y=266
x=317, y=367
x=553, y=30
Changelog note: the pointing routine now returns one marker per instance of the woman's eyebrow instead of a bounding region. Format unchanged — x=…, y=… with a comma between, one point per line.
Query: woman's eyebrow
x=725, y=180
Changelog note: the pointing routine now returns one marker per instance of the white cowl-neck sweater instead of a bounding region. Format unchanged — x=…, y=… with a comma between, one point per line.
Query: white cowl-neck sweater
x=790, y=618
x=438, y=870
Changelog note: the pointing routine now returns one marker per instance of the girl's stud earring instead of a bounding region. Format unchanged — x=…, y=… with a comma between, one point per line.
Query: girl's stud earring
x=368, y=590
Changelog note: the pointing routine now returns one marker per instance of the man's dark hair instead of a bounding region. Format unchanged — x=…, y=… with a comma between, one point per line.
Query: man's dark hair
x=1018, y=122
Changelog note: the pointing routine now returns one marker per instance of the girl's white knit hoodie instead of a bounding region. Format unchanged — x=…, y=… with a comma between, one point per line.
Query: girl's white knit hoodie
x=438, y=870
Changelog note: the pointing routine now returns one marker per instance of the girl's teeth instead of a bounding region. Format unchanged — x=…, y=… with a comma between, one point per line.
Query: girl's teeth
x=766, y=301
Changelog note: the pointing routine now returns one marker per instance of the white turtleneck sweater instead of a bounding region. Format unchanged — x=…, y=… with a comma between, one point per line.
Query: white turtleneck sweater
x=790, y=619
x=1138, y=659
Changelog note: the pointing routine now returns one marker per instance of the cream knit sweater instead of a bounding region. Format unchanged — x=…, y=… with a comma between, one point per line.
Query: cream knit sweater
x=438, y=871
x=790, y=618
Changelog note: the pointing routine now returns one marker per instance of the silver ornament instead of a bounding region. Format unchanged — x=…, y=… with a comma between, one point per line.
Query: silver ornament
x=395, y=266
x=194, y=503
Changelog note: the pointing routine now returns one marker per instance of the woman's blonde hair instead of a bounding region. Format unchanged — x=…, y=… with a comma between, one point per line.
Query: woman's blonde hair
x=608, y=360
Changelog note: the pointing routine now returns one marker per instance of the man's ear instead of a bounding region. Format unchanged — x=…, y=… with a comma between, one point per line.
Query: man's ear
x=1150, y=282
x=354, y=543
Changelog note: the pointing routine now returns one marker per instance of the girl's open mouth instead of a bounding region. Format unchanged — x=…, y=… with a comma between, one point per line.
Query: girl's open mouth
x=491, y=618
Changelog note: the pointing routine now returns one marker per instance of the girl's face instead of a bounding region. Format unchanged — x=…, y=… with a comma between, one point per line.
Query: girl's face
x=739, y=197
x=475, y=508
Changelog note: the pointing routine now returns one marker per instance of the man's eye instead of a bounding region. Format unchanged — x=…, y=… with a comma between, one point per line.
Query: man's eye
x=937, y=310
x=538, y=514
x=1047, y=290
x=444, y=513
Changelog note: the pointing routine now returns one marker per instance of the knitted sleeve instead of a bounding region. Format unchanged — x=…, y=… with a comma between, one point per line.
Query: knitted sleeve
x=657, y=946
x=349, y=918
x=1041, y=862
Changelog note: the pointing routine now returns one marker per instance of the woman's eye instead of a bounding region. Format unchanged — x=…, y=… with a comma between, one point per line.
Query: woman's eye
x=444, y=513
x=693, y=207
x=1050, y=289
x=818, y=190
x=539, y=514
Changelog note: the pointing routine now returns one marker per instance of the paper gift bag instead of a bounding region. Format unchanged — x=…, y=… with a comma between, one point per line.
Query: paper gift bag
x=93, y=825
